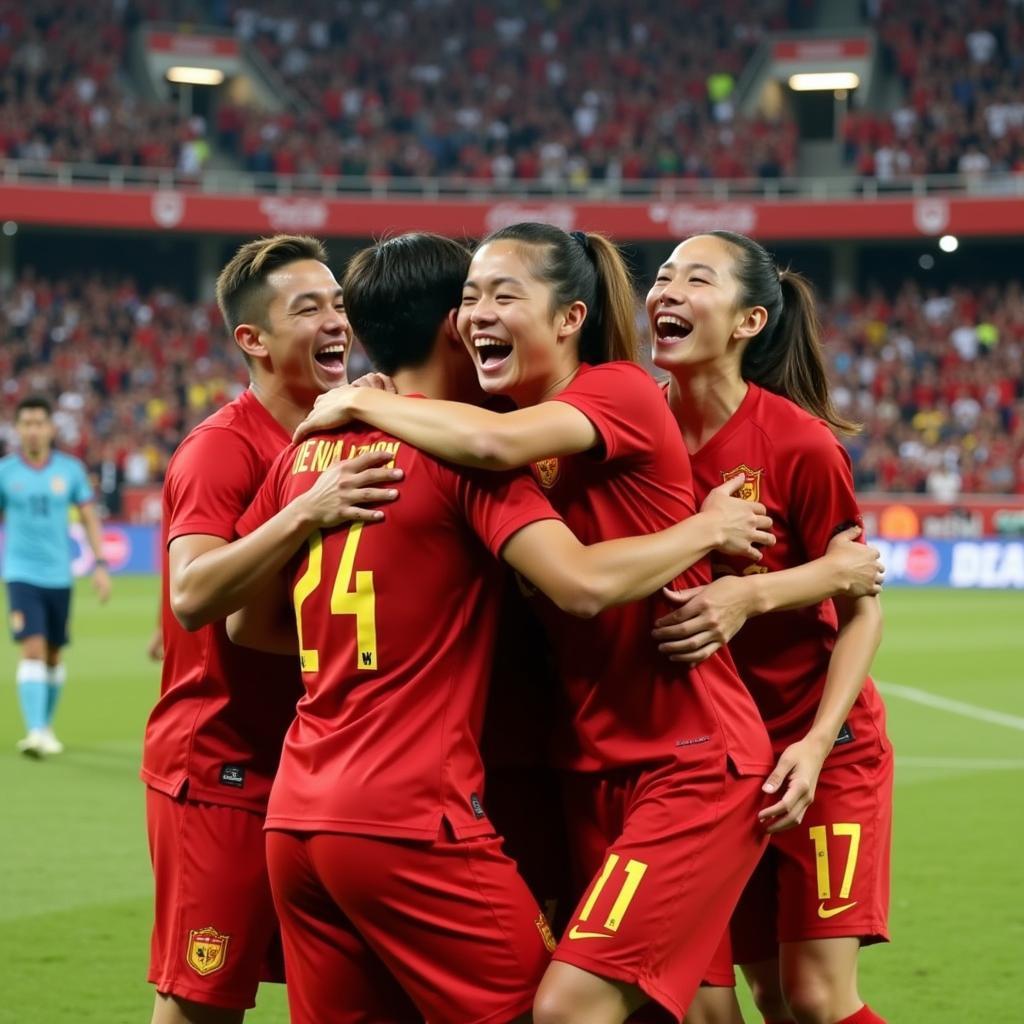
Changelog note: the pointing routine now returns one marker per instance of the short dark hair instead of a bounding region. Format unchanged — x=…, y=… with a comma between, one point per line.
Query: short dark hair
x=242, y=292
x=399, y=291
x=34, y=402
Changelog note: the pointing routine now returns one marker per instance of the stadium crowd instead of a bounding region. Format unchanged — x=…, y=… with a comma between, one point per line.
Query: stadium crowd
x=64, y=98
x=564, y=93
x=561, y=94
x=937, y=378
x=961, y=68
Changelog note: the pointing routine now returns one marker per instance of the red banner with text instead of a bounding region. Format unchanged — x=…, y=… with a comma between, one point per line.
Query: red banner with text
x=184, y=210
x=907, y=517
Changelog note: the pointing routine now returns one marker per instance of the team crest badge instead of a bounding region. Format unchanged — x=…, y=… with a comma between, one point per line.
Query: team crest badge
x=58, y=485
x=545, y=933
x=547, y=471
x=751, y=489
x=17, y=619
x=207, y=950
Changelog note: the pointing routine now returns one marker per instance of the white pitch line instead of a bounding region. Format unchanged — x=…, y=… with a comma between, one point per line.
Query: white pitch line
x=955, y=707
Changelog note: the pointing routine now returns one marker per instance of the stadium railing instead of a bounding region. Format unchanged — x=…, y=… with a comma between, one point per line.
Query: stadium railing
x=220, y=181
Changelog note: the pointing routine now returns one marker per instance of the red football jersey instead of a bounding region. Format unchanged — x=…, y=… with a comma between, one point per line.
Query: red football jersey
x=629, y=705
x=797, y=468
x=223, y=710
x=397, y=622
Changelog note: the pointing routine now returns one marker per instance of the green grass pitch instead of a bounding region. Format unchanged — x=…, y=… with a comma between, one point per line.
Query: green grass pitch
x=74, y=873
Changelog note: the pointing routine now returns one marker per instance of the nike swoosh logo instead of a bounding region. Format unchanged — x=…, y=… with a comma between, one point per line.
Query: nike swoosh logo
x=575, y=933
x=824, y=912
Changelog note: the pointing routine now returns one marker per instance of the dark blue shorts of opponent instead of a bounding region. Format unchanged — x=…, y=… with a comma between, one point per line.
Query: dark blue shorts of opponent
x=39, y=611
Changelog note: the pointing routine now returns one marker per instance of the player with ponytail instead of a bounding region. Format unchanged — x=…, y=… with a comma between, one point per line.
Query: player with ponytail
x=748, y=389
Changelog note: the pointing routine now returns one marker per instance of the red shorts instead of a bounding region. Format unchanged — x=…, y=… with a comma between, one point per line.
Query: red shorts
x=826, y=878
x=451, y=922
x=671, y=850
x=214, y=930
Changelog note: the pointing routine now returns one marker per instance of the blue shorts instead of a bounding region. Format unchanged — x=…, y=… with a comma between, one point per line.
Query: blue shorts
x=39, y=611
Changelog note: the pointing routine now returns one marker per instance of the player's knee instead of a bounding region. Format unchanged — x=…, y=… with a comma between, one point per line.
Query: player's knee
x=33, y=648
x=171, y=1009
x=768, y=999
x=553, y=1006
x=811, y=1001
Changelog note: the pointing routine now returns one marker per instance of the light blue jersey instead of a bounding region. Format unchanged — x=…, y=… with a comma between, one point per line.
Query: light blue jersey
x=35, y=501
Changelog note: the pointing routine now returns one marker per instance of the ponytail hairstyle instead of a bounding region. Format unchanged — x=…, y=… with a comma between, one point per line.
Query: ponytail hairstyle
x=586, y=268
x=786, y=356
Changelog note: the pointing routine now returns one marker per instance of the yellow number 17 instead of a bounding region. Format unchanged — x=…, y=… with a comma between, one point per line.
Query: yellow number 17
x=359, y=600
x=819, y=836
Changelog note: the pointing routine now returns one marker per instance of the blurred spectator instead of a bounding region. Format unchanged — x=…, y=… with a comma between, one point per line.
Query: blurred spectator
x=942, y=409
x=962, y=74
x=561, y=93
x=937, y=378
x=131, y=372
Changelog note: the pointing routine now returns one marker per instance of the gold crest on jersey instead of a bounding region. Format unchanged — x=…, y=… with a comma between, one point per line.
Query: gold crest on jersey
x=545, y=933
x=547, y=471
x=751, y=489
x=207, y=950
x=58, y=485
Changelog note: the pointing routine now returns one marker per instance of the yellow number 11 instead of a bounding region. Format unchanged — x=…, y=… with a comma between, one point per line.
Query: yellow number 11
x=359, y=600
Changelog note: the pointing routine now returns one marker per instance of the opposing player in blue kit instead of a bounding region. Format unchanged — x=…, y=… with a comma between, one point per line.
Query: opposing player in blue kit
x=38, y=486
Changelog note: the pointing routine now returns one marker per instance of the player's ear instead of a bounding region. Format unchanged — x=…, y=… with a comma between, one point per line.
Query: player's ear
x=451, y=327
x=751, y=322
x=571, y=319
x=247, y=338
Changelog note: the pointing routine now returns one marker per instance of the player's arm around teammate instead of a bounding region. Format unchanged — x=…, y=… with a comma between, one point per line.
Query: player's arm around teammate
x=709, y=617
x=582, y=580
x=214, y=738
x=524, y=319
x=211, y=577
x=750, y=395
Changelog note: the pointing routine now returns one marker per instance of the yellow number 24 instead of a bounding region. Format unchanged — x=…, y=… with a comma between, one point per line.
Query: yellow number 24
x=358, y=600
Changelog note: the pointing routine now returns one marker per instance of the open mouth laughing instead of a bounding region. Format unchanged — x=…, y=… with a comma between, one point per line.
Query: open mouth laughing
x=491, y=352
x=332, y=357
x=671, y=328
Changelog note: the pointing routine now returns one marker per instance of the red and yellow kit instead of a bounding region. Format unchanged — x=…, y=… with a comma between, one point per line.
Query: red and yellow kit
x=523, y=789
x=214, y=738
x=796, y=467
x=666, y=762
x=396, y=628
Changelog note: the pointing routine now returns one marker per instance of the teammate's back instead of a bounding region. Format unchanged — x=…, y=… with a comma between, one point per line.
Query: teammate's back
x=397, y=630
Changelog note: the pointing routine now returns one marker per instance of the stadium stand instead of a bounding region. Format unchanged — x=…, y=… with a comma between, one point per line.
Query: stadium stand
x=960, y=68
x=561, y=94
x=937, y=378
x=431, y=89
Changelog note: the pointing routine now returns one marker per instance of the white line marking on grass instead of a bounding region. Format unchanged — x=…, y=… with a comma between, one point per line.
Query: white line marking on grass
x=955, y=707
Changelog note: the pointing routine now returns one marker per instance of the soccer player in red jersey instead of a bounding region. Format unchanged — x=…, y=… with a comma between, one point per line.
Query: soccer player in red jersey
x=664, y=764
x=213, y=740
x=376, y=827
x=750, y=396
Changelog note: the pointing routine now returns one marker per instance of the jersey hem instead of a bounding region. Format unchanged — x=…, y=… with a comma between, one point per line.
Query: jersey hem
x=222, y=1000
x=878, y=931
x=200, y=794
x=282, y=823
